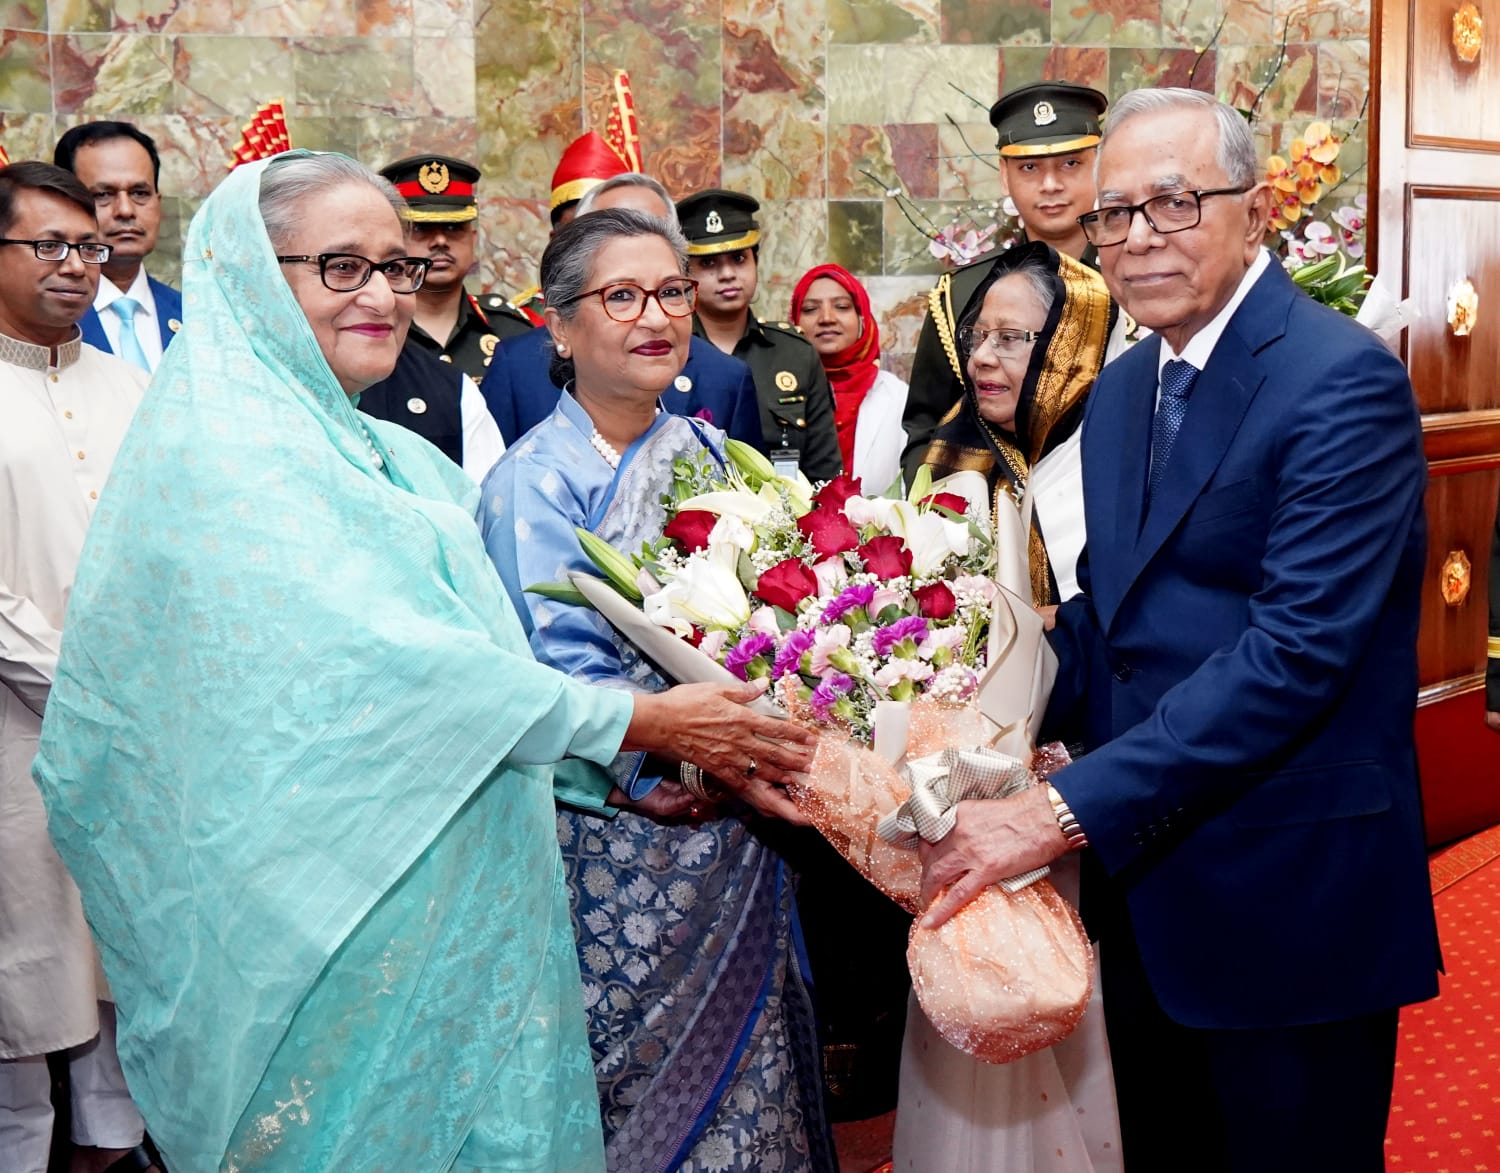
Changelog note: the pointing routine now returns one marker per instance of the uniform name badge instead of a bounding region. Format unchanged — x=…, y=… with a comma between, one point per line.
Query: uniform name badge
x=784, y=461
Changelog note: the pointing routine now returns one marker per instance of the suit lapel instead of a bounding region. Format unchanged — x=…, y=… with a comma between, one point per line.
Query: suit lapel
x=1221, y=397
x=93, y=331
x=1117, y=438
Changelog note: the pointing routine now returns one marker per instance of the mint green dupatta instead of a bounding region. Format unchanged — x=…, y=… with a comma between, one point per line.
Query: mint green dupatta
x=296, y=759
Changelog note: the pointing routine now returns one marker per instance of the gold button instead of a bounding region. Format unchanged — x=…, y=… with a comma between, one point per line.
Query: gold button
x=54, y=378
x=93, y=496
x=80, y=456
x=67, y=415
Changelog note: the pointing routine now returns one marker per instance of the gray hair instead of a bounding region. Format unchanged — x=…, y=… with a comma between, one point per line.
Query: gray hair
x=629, y=179
x=1033, y=269
x=568, y=260
x=287, y=183
x=1236, y=154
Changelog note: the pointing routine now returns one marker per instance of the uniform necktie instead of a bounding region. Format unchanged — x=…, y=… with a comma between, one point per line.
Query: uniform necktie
x=1177, y=379
x=130, y=345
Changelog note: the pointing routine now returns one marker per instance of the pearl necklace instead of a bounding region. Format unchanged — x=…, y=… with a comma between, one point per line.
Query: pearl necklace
x=375, y=456
x=607, y=450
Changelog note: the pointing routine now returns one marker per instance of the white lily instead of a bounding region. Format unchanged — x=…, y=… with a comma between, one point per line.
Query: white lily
x=863, y=511
x=930, y=537
x=733, y=531
x=746, y=506
x=705, y=593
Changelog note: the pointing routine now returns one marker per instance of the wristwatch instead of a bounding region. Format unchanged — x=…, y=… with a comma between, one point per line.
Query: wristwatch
x=1067, y=821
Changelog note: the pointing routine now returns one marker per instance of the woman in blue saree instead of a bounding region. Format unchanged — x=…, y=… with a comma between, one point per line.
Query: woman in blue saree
x=298, y=756
x=699, y=1014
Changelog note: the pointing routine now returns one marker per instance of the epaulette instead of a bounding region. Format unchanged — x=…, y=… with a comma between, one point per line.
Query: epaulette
x=493, y=303
x=787, y=328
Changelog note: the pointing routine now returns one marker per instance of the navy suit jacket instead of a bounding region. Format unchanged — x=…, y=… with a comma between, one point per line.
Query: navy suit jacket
x=168, y=310
x=521, y=394
x=1243, y=665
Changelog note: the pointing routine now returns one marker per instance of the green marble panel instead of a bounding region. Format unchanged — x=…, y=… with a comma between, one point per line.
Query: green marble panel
x=856, y=235
x=28, y=136
x=30, y=15
x=863, y=22
x=984, y=22
x=102, y=73
x=908, y=241
x=354, y=75
x=25, y=73
x=927, y=83
x=1111, y=22
x=1243, y=71
x=231, y=75
x=79, y=16
x=856, y=84
x=444, y=72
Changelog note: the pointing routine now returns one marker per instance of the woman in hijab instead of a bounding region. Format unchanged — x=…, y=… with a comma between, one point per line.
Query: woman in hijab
x=1030, y=342
x=298, y=756
x=833, y=310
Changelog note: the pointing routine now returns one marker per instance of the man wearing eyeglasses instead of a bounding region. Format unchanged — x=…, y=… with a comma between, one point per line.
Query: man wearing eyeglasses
x=134, y=315
x=64, y=409
x=432, y=391
x=1241, y=666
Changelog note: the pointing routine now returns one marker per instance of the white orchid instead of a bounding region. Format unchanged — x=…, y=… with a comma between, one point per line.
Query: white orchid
x=705, y=593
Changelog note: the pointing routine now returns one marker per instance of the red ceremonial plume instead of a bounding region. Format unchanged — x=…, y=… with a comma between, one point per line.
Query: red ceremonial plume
x=621, y=131
x=4, y=158
x=264, y=135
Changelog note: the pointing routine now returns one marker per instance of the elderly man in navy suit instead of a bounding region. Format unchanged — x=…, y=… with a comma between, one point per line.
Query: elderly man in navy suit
x=134, y=315
x=713, y=386
x=1242, y=668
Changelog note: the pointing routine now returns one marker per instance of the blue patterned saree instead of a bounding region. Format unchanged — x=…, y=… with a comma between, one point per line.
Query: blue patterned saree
x=298, y=760
x=699, y=1015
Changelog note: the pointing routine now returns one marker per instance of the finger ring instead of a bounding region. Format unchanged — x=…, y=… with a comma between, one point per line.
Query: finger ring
x=750, y=769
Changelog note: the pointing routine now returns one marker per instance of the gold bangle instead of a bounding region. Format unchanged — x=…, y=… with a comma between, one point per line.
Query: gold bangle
x=692, y=780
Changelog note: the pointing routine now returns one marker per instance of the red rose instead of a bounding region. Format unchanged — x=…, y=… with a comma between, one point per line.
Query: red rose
x=786, y=584
x=948, y=501
x=886, y=556
x=829, y=531
x=690, y=528
x=935, y=601
x=837, y=491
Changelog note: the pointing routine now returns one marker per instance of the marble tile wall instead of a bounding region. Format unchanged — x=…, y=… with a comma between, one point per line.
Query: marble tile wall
x=820, y=108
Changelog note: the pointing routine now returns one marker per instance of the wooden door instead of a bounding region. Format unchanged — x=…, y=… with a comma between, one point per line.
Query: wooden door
x=1435, y=185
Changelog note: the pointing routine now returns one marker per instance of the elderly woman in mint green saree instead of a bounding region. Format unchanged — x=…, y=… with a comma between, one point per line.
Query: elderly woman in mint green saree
x=298, y=757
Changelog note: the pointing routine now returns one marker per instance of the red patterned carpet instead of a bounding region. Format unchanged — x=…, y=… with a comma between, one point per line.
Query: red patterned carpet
x=1445, y=1117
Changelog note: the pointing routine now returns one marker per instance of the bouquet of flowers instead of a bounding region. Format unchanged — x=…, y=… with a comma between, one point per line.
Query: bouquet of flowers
x=879, y=621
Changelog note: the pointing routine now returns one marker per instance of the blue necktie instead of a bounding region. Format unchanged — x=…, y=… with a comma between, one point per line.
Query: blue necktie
x=130, y=345
x=1177, y=379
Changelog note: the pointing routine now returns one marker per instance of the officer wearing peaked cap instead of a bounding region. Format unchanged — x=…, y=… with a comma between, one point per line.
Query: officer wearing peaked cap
x=796, y=401
x=1047, y=135
x=431, y=391
x=449, y=322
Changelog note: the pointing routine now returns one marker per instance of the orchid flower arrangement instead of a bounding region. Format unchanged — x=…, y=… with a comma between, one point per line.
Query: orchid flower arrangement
x=841, y=600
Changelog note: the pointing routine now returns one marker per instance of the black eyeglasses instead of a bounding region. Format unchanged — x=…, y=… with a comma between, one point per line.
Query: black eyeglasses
x=346, y=272
x=1175, y=212
x=625, y=301
x=90, y=252
x=1006, y=340
x=140, y=195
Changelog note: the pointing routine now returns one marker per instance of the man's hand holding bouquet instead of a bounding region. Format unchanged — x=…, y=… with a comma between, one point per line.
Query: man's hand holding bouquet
x=878, y=622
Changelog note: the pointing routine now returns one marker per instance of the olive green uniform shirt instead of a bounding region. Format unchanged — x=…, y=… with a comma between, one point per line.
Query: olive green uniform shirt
x=482, y=324
x=934, y=385
x=796, y=401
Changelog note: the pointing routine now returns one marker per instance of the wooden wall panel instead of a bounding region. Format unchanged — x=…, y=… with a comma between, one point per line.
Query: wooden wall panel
x=1460, y=518
x=1451, y=103
x=1453, y=233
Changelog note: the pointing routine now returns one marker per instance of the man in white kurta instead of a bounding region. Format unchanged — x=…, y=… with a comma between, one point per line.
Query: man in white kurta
x=65, y=407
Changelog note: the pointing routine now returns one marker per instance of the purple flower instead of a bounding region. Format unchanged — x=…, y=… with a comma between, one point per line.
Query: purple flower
x=826, y=695
x=846, y=600
x=704, y=414
x=743, y=653
x=787, y=660
x=913, y=627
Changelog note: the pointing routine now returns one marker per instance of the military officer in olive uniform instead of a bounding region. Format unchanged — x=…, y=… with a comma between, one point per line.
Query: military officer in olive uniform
x=450, y=322
x=1048, y=137
x=796, y=402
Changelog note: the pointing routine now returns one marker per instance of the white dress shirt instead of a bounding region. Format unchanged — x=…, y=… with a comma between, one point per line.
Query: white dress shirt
x=1200, y=347
x=147, y=323
x=483, y=443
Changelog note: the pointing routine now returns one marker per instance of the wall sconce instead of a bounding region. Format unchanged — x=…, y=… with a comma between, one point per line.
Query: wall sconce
x=1468, y=33
x=1463, y=307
